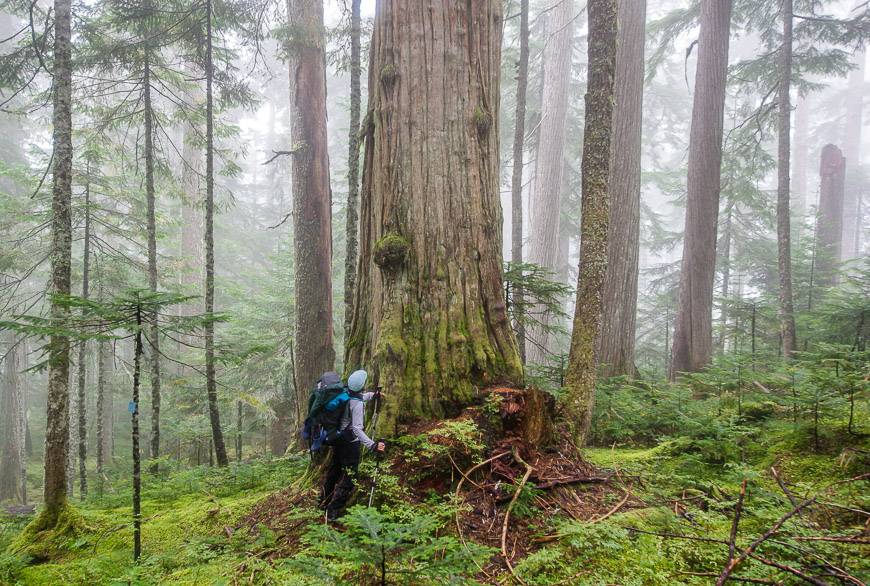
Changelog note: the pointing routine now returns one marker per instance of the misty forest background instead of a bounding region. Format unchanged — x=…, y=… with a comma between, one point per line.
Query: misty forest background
x=608, y=260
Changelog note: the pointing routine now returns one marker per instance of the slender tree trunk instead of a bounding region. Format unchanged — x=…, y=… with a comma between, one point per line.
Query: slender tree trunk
x=595, y=212
x=726, y=274
x=783, y=191
x=12, y=463
x=546, y=199
x=312, y=227
x=210, y=377
x=352, y=233
x=429, y=310
x=101, y=410
x=150, y=197
x=82, y=406
x=619, y=301
x=829, y=223
x=57, y=411
x=134, y=418
x=517, y=173
x=693, y=331
x=852, y=150
x=239, y=412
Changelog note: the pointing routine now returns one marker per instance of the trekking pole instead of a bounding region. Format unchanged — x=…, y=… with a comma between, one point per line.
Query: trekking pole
x=377, y=456
x=375, y=480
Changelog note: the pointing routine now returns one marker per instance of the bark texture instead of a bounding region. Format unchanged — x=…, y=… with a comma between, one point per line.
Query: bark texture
x=801, y=148
x=151, y=223
x=547, y=196
x=134, y=433
x=104, y=408
x=619, y=302
x=210, y=375
x=429, y=311
x=783, y=189
x=693, y=330
x=517, y=172
x=352, y=232
x=852, y=150
x=81, y=371
x=12, y=456
x=829, y=224
x=312, y=199
x=57, y=408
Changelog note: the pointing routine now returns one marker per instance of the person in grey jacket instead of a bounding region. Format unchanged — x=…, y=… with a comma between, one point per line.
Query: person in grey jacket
x=340, y=478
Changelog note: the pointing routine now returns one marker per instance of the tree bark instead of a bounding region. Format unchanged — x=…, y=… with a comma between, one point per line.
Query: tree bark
x=81, y=371
x=12, y=458
x=352, y=230
x=800, y=190
x=134, y=426
x=151, y=223
x=693, y=330
x=57, y=408
x=619, y=301
x=852, y=150
x=102, y=431
x=783, y=191
x=210, y=376
x=727, y=240
x=595, y=212
x=829, y=224
x=517, y=173
x=312, y=224
x=547, y=197
x=429, y=311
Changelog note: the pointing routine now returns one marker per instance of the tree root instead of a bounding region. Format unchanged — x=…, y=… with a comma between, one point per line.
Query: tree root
x=507, y=515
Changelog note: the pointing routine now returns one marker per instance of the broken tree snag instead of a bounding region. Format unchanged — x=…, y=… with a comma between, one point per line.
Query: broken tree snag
x=829, y=226
x=429, y=317
x=527, y=413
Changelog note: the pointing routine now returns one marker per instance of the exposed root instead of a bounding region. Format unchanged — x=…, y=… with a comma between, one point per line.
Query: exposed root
x=507, y=515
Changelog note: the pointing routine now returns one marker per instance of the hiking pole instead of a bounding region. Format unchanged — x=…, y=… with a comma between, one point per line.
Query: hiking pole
x=377, y=456
x=375, y=480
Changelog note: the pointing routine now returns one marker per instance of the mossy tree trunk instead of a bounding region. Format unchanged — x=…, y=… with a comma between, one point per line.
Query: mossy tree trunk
x=580, y=377
x=81, y=371
x=352, y=227
x=312, y=198
x=57, y=404
x=619, y=302
x=12, y=459
x=429, y=312
x=693, y=331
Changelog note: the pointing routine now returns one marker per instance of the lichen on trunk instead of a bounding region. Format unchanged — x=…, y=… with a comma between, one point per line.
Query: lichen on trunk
x=429, y=314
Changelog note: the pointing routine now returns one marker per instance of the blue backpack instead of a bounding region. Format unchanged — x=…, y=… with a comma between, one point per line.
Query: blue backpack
x=327, y=404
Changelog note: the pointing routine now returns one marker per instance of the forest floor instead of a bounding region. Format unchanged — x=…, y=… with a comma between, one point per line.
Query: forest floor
x=662, y=514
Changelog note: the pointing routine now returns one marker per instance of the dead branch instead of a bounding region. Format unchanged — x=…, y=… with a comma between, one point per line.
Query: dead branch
x=573, y=480
x=735, y=578
x=614, y=509
x=277, y=154
x=507, y=514
x=732, y=539
x=803, y=576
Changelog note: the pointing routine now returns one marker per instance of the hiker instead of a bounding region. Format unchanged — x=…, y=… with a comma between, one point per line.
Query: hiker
x=338, y=484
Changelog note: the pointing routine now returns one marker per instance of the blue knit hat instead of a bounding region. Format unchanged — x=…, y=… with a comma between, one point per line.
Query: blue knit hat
x=357, y=381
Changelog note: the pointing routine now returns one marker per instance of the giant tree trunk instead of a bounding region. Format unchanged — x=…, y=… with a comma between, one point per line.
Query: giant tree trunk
x=429, y=311
x=12, y=459
x=312, y=199
x=546, y=199
x=81, y=372
x=57, y=409
x=829, y=223
x=352, y=231
x=852, y=150
x=619, y=301
x=517, y=173
x=210, y=375
x=693, y=331
x=783, y=190
x=153, y=333
x=595, y=216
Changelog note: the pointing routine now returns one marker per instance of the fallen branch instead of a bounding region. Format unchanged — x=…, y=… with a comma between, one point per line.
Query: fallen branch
x=507, y=514
x=835, y=539
x=614, y=509
x=735, y=578
x=732, y=539
x=573, y=480
x=789, y=569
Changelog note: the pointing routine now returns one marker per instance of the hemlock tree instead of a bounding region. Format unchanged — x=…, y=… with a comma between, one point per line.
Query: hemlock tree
x=57, y=409
x=619, y=300
x=429, y=311
x=517, y=172
x=595, y=212
x=546, y=205
x=693, y=331
x=312, y=199
x=13, y=482
x=853, y=124
x=783, y=186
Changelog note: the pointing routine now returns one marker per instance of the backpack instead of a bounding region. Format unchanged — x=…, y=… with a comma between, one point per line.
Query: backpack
x=327, y=404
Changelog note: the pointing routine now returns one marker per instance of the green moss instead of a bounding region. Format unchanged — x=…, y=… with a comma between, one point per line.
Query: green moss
x=388, y=74
x=50, y=535
x=391, y=251
x=483, y=121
